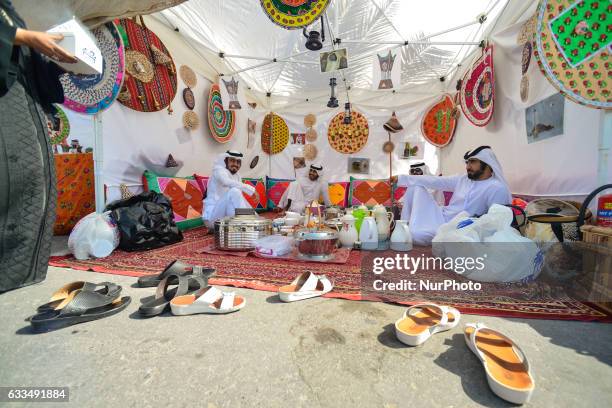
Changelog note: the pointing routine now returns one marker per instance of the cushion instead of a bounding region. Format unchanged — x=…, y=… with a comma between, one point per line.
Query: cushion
x=338, y=193
x=260, y=187
x=275, y=188
x=184, y=195
x=398, y=192
x=370, y=192
x=202, y=183
x=447, y=197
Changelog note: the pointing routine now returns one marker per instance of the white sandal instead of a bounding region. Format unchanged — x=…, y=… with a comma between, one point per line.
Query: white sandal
x=305, y=286
x=506, y=365
x=424, y=319
x=207, y=300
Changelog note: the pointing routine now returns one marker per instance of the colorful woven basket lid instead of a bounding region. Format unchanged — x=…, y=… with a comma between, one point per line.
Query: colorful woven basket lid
x=91, y=94
x=439, y=123
x=478, y=90
x=573, y=45
x=294, y=14
x=274, y=134
x=349, y=138
x=150, y=81
x=58, y=125
x=220, y=122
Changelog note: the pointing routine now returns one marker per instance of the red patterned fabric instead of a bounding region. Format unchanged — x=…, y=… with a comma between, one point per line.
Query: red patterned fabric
x=370, y=192
x=75, y=190
x=398, y=192
x=538, y=301
x=202, y=183
x=260, y=187
x=275, y=190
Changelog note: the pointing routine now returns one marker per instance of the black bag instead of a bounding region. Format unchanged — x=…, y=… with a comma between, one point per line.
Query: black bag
x=145, y=221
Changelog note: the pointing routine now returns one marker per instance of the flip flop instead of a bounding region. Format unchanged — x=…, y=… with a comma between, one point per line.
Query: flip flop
x=103, y=288
x=79, y=307
x=305, y=286
x=505, y=364
x=163, y=295
x=175, y=267
x=207, y=300
x=423, y=320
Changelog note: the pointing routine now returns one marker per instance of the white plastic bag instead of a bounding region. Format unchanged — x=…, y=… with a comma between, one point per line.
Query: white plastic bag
x=95, y=235
x=274, y=245
x=506, y=255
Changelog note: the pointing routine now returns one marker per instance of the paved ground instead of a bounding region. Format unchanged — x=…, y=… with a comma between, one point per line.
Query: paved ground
x=316, y=353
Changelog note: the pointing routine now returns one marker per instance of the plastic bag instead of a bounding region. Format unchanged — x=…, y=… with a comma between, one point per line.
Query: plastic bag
x=274, y=245
x=505, y=255
x=145, y=221
x=95, y=235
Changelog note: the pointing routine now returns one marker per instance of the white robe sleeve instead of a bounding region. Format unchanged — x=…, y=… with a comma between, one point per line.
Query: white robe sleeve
x=223, y=178
x=325, y=194
x=444, y=183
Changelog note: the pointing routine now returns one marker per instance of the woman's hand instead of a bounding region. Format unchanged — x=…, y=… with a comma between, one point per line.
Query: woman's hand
x=44, y=43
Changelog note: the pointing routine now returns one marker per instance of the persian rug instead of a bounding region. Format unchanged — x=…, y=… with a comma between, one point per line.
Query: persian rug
x=269, y=274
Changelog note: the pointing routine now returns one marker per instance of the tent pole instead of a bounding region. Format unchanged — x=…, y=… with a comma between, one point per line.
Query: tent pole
x=605, y=143
x=98, y=155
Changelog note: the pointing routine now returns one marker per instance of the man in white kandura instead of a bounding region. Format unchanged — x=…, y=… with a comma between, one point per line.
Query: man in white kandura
x=482, y=186
x=421, y=169
x=304, y=190
x=225, y=187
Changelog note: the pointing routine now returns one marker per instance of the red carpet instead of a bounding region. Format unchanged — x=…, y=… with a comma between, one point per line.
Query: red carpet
x=526, y=301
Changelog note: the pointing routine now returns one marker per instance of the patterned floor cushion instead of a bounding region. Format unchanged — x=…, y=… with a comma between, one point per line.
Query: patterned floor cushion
x=184, y=194
x=370, y=192
x=202, y=183
x=275, y=188
x=338, y=193
x=260, y=187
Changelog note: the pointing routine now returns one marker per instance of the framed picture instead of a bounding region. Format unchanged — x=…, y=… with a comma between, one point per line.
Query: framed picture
x=545, y=118
x=412, y=150
x=298, y=138
x=358, y=165
x=333, y=60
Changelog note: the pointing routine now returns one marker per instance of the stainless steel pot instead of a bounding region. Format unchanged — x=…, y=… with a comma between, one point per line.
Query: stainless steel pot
x=316, y=243
x=239, y=233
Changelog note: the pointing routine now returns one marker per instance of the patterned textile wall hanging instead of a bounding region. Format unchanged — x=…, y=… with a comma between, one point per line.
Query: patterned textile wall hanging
x=150, y=81
x=478, y=90
x=221, y=123
x=91, y=94
x=350, y=138
x=75, y=190
x=572, y=46
x=294, y=14
x=440, y=121
x=274, y=134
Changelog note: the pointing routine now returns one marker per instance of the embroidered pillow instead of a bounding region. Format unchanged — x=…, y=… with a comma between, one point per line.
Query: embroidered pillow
x=338, y=193
x=370, y=192
x=184, y=195
x=275, y=189
x=398, y=192
x=260, y=187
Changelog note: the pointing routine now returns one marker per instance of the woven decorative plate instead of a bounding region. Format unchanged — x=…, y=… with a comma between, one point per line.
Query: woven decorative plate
x=439, y=123
x=188, y=98
x=254, y=162
x=388, y=146
x=311, y=135
x=274, y=134
x=350, y=138
x=91, y=94
x=159, y=92
x=191, y=120
x=572, y=47
x=477, y=93
x=310, y=120
x=294, y=14
x=310, y=152
x=138, y=65
x=526, y=57
x=526, y=32
x=57, y=125
x=221, y=123
x=188, y=76
x=524, y=88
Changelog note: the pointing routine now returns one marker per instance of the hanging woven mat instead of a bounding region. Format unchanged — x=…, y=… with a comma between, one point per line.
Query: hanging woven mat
x=188, y=76
x=349, y=138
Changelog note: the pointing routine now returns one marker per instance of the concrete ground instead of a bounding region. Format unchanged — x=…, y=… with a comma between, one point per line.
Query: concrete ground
x=315, y=353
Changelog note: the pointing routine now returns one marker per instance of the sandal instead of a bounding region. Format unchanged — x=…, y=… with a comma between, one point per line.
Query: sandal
x=163, y=295
x=179, y=269
x=424, y=319
x=207, y=300
x=505, y=364
x=305, y=286
x=79, y=307
x=106, y=288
